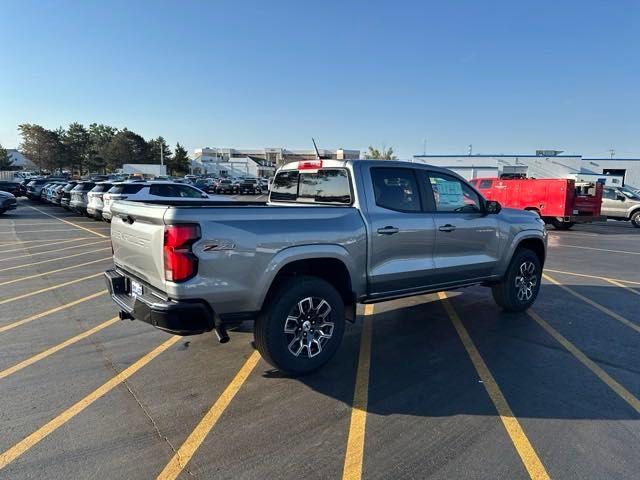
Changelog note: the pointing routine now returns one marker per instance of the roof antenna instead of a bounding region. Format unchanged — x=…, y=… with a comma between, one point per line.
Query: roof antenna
x=318, y=157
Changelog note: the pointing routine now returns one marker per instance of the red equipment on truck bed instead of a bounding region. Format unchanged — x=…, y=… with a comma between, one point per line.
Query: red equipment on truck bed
x=559, y=201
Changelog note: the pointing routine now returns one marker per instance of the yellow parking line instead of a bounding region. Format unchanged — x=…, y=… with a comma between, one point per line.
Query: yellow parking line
x=52, y=251
x=197, y=436
x=591, y=276
x=69, y=223
x=354, y=455
x=625, y=394
x=13, y=325
x=6, y=269
x=54, y=287
x=25, y=444
x=31, y=224
x=47, y=231
x=598, y=249
x=56, y=348
x=523, y=446
x=53, y=271
x=56, y=241
x=596, y=305
x=618, y=284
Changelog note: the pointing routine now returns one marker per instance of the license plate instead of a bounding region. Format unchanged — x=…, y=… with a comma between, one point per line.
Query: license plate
x=136, y=289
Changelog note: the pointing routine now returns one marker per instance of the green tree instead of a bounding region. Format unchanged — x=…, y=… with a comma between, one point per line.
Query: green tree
x=155, y=146
x=180, y=162
x=126, y=147
x=77, y=142
x=42, y=146
x=5, y=160
x=384, y=154
x=99, y=139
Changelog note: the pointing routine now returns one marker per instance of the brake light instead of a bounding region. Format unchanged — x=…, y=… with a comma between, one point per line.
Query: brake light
x=310, y=165
x=180, y=263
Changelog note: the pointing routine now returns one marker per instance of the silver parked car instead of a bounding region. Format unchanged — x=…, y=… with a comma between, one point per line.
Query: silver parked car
x=621, y=203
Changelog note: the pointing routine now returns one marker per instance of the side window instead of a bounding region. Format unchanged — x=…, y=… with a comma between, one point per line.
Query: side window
x=609, y=193
x=163, y=190
x=185, y=191
x=396, y=189
x=485, y=184
x=453, y=195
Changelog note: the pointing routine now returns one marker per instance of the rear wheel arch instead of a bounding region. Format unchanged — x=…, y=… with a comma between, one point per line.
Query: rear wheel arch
x=333, y=270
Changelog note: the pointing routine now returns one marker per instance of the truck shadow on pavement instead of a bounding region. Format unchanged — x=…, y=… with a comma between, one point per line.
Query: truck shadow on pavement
x=419, y=366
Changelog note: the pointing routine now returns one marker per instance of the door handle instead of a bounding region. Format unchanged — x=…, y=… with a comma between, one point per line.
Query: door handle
x=447, y=228
x=388, y=230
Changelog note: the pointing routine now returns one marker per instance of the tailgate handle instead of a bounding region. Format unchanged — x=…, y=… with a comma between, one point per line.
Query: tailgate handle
x=127, y=219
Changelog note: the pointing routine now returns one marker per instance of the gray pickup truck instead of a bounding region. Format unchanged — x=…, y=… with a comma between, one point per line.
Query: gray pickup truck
x=333, y=234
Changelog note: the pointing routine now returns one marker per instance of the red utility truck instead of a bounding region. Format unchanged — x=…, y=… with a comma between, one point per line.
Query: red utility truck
x=559, y=201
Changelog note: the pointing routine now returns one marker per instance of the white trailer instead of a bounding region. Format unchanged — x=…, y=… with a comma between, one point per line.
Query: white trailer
x=144, y=169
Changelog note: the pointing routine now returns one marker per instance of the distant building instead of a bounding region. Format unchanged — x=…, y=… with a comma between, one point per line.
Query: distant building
x=545, y=164
x=484, y=166
x=261, y=162
x=626, y=168
x=20, y=162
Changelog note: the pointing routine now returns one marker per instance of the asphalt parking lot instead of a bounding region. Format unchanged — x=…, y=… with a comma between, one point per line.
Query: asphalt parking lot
x=427, y=387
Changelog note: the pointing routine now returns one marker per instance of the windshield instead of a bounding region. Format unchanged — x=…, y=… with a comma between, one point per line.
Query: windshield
x=630, y=193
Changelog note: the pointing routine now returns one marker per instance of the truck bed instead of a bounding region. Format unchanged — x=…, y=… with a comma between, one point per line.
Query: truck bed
x=240, y=244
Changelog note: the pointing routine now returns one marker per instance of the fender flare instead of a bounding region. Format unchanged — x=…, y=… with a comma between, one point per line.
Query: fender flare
x=306, y=252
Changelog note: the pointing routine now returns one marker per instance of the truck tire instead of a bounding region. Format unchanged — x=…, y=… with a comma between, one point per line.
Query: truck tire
x=302, y=327
x=560, y=225
x=635, y=219
x=521, y=283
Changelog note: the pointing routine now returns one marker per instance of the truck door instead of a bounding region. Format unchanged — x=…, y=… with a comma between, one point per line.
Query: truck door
x=467, y=240
x=613, y=203
x=402, y=233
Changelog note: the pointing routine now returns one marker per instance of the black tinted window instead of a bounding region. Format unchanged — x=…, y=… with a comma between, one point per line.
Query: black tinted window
x=84, y=187
x=101, y=187
x=396, y=189
x=324, y=186
x=128, y=188
x=285, y=186
x=485, y=183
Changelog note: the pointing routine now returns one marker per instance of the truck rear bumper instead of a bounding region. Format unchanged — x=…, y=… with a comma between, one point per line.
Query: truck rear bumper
x=177, y=317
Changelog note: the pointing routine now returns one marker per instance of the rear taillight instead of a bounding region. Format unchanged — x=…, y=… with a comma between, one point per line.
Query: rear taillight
x=180, y=263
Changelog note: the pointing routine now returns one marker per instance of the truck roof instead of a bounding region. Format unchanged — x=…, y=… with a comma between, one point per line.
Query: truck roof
x=332, y=163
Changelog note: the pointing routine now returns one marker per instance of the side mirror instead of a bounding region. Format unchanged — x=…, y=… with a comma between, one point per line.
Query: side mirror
x=204, y=195
x=622, y=198
x=492, y=207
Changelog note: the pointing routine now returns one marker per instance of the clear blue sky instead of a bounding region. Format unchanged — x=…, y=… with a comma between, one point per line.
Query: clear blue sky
x=508, y=77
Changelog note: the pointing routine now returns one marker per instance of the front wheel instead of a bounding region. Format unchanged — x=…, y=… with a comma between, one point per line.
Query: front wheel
x=521, y=283
x=635, y=219
x=301, y=329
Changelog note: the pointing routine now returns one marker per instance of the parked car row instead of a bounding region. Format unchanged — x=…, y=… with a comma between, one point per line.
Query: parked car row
x=234, y=186
x=94, y=198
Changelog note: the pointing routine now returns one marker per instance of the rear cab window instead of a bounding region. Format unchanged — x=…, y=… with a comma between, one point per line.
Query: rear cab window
x=322, y=186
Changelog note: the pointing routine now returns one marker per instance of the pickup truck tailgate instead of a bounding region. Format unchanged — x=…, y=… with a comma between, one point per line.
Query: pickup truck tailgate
x=137, y=236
